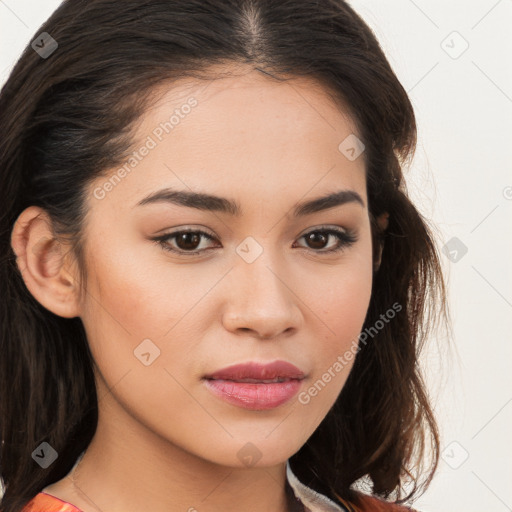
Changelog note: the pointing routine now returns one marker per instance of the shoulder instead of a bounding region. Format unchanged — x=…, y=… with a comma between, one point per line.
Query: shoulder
x=44, y=502
x=365, y=503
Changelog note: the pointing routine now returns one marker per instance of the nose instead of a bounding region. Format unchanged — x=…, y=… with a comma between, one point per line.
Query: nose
x=261, y=300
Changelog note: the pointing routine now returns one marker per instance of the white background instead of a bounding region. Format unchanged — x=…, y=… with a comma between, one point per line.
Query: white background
x=461, y=180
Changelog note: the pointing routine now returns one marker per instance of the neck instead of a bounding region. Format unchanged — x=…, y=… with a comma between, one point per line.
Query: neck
x=124, y=469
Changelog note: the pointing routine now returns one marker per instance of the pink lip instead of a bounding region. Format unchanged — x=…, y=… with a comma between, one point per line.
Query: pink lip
x=242, y=385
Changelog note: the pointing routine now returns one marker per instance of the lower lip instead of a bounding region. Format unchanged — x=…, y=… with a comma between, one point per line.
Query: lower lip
x=249, y=395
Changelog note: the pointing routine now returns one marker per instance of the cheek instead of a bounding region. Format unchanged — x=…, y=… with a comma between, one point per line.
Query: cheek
x=134, y=316
x=345, y=293
x=134, y=293
x=346, y=305
x=131, y=301
x=342, y=304
x=125, y=305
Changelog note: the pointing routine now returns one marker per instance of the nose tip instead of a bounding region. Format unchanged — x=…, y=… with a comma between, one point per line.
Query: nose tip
x=260, y=302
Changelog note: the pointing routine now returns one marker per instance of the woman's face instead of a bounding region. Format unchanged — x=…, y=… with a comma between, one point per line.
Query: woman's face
x=263, y=284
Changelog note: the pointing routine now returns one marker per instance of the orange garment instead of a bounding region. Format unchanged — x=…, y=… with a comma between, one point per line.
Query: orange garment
x=370, y=504
x=43, y=502
x=305, y=496
x=46, y=503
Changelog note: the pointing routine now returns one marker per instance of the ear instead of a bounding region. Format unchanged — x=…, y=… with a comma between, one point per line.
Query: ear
x=42, y=261
x=382, y=222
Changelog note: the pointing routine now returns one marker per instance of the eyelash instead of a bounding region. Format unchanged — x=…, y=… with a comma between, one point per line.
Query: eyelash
x=345, y=238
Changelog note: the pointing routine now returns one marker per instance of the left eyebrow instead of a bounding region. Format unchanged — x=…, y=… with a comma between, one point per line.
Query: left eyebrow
x=208, y=202
x=326, y=202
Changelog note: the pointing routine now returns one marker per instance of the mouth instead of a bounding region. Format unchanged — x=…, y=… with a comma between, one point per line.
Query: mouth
x=255, y=386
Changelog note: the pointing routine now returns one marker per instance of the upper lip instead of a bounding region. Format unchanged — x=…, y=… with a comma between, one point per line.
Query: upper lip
x=259, y=372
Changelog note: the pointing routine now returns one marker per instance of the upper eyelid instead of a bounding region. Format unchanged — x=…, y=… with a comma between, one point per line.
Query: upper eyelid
x=326, y=227
x=322, y=227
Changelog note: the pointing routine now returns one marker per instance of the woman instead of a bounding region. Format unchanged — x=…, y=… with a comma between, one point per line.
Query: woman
x=216, y=285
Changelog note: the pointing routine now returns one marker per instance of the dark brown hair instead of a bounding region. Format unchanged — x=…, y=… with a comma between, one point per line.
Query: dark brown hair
x=67, y=118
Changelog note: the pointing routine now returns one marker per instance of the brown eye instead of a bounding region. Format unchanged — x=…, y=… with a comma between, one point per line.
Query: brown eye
x=317, y=239
x=188, y=241
x=185, y=241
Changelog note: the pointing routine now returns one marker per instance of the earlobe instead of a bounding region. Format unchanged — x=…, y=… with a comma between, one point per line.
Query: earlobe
x=41, y=259
x=382, y=222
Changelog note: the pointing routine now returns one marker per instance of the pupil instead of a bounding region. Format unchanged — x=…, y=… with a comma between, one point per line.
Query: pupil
x=185, y=237
x=314, y=237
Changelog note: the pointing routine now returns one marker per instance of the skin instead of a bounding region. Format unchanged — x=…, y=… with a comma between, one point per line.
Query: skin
x=164, y=442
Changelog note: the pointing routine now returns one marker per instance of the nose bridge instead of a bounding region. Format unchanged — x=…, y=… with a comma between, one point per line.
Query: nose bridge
x=259, y=270
x=260, y=297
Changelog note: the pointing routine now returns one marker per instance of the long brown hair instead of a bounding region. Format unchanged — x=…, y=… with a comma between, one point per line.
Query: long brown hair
x=67, y=117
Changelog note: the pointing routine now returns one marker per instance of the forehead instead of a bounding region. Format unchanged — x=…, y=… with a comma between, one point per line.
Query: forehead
x=247, y=133
x=238, y=100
